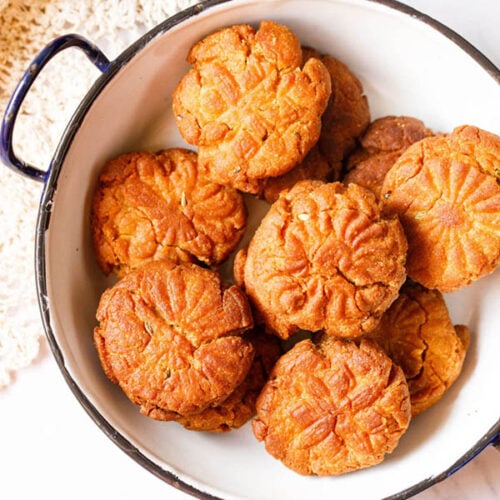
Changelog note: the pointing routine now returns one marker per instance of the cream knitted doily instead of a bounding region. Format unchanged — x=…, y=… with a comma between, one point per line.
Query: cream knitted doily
x=26, y=27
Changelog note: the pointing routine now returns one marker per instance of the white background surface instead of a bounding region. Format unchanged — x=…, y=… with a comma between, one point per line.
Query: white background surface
x=50, y=448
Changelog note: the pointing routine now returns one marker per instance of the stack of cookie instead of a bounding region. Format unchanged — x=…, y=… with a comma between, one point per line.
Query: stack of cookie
x=336, y=331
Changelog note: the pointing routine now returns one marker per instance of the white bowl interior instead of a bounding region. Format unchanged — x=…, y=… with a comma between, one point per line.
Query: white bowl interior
x=406, y=68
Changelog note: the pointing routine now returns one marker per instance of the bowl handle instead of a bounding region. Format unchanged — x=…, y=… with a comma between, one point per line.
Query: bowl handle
x=11, y=111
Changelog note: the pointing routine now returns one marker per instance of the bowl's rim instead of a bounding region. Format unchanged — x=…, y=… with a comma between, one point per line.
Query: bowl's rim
x=43, y=223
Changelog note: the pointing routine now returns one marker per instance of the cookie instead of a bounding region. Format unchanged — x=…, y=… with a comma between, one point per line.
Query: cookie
x=446, y=192
x=379, y=147
x=154, y=206
x=170, y=335
x=249, y=105
x=332, y=407
x=346, y=116
x=418, y=335
x=313, y=167
x=239, y=407
x=323, y=259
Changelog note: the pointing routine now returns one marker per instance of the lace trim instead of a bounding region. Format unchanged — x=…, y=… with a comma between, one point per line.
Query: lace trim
x=28, y=26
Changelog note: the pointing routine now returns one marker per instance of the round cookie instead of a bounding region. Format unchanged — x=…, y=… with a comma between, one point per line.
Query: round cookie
x=381, y=145
x=332, y=407
x=323, y=259
x=446, y=193
x=345, y=118
x=153, y=206
x=249, y=105
x=239, y=407
x=171, y=336
x=418, y=335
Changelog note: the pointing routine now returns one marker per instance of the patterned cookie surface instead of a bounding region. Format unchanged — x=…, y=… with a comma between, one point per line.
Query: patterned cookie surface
x=323, y=259
x=446, y=192
x=332, y=407
x=249, y=105
x=345, y=118
x=418, y=335
x=380, y=146
x=171, y=336
x=239, y=407
x=153, y=206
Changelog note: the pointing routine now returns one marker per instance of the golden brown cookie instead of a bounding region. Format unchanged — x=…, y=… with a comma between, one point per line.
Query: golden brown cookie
x=239, y=407
x=332, y=407
x=446, y=192
x=171, y=336
x=314, y=166
x=380, y=146
x=418, y=335
x=249, y=105
x=323, y=259
x=153, y=206
x=345, y=118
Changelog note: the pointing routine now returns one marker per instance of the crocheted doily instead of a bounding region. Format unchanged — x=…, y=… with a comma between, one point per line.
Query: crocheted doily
x=27, y=26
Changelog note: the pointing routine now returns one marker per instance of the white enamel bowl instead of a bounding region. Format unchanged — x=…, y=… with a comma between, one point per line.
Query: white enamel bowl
x=408, y=64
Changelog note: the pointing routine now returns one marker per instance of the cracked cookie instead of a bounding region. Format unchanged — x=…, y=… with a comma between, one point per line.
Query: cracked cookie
x=239, y=407
x=154, y=206
x=171, y=336
x=346, y=116
x=418, y=335
x=446, y=193
x=379, y=147
x=249, y=105
x=332, y=407
x=323, y=259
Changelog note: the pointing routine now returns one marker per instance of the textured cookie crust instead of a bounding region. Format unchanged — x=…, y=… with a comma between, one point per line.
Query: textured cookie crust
x=239, y=407
x=249, y=105
x=323, y=259
x=418, y=335
x=446, y=192
x=153, y=206
x=313, y=167
x=345, y=118
x=171, y=336
x=380, y=146
x=332, y=407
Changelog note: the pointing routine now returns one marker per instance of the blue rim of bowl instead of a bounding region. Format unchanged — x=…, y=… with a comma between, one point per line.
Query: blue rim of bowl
x=43, y=222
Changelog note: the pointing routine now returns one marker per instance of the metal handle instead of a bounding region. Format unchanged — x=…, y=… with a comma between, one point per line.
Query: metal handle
x=11, y=111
